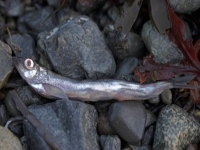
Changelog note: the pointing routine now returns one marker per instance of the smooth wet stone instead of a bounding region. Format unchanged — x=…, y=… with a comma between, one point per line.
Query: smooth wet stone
x=184, y=6
x=6, y=63
x=71, y=123
x=124, y=46
x=110, y=142
x=151, y=118
x=128, y=119
x=166, y=96
x=34, y=19
x=77, y=49
x=26, y=45
x=160, y=46
x=14, y=8
x=8, y=141
x=126, y=67
x=27, y=95
x=4, y=116
x=148, y=135
x=175, y=129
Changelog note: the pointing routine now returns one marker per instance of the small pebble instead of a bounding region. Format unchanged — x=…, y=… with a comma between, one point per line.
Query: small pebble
x=110, y=142
x=14, y=8
x=8, y=141
x=148, y=135
x=166, y=96
x=126, y=67
x=128, y=119
x=124, y=46
x=184, y=6
x=154, y=100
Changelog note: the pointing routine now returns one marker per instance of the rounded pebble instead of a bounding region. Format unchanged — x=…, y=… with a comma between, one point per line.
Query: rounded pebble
x=128, y=119
x=166, y=96
x=8, y=141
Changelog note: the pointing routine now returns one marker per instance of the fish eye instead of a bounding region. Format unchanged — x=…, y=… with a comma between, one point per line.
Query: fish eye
x=28, y=63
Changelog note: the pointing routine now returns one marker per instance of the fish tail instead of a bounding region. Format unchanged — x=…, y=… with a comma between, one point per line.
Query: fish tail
x=182, y=82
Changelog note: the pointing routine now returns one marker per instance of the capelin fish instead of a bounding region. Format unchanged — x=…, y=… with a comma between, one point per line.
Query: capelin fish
x=52, y=85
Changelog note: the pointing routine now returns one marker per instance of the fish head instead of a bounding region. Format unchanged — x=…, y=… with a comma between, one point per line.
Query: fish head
x=30, y=70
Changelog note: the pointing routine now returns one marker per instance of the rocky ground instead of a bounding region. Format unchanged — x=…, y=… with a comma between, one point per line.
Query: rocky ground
x=78, y=42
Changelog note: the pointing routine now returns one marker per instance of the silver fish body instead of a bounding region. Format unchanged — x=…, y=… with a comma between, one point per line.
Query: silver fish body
x=52, y=85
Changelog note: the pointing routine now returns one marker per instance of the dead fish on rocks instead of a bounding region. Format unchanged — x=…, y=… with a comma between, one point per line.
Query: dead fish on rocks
x=52, y=85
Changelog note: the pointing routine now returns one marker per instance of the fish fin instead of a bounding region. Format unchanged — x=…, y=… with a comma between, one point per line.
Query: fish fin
x=54, y=91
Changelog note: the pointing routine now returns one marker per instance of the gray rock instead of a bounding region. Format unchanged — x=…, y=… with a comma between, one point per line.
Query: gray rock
x=128, y=118
x=126, y=67
x=34, y=19
x=15, y=125
x=148, y=135
x=184, y=6
x=8, y=141
x=175, y=129
x=26, y=43
x=71, y=123
x=4, y=116
x=110, y=142
x=77, y=49
x=14, y=8
x=54, y=3
x=124, y=46
x=151, y=118
x=166, y=96
x=27, y=95
x=6, y=64
x=160, y=46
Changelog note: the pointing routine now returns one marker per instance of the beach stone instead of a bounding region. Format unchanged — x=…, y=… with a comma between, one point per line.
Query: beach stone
x=110, y=142
x=128, y=119
x=71, y=123
x=175, y=129
x=77, y=49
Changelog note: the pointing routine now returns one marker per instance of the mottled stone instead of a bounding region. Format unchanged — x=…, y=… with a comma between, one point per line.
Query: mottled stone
x=71, y=123
x=175, y=129
x=8, y=141
x=110, y=142
x=184, y=6
x=128, y=119
x=77, y=49
x=166, y=96
x=6, y=63
x=159, y=45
